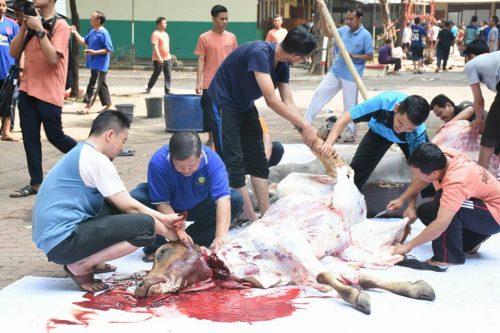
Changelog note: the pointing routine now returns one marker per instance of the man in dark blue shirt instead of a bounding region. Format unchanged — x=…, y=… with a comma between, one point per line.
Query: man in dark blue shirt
x=184, y=176
x=417, y=45
x=251, y=71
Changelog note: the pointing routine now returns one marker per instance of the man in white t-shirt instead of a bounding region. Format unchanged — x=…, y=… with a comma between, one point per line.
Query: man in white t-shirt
x=484, y=67
x=84, y=215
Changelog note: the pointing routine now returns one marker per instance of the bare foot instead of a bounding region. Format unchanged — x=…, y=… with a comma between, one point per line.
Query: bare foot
x=440, y=263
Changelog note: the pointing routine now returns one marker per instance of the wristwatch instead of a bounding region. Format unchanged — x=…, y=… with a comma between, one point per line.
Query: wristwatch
x=41, y=34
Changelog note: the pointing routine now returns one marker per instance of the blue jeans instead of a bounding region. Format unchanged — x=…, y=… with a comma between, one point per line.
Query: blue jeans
x=202, y=231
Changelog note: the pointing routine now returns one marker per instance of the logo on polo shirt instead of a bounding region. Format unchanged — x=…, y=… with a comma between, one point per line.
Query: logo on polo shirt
x=201, y=180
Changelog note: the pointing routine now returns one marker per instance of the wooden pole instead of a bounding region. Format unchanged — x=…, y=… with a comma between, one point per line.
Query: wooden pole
x=340, y=44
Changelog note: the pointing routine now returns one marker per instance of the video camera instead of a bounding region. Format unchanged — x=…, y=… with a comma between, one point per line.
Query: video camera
x=26, y=7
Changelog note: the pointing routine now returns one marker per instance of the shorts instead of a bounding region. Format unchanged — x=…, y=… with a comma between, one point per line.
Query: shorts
x=97, y=234
x=417, y=53
x=491, y=133
x=238, y=140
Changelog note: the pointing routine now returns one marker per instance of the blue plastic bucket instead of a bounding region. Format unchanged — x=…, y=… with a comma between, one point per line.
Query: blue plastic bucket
x=183, y=113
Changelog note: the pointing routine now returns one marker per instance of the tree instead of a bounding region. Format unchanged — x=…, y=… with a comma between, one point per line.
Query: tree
x=389, y=28
x=74, y=57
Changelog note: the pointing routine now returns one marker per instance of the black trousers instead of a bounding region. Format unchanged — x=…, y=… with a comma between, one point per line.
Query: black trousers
x=471, y=225
x=110, y=227
x=394, y=61
x=206, y=106
x=238, y=140
x=442, y=53
x=166, y=66
x=370, y=151
x=491, y=135
x=97, y=78
x=33, y=113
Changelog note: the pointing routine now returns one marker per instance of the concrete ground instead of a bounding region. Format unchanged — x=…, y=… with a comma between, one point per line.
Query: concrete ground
x=19, y=256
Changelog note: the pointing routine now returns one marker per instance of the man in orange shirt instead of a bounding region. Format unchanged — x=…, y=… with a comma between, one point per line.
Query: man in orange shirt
x=465, y=210
x=212, y=48
x=162, y=60
x=276, y=34
x=41, y=93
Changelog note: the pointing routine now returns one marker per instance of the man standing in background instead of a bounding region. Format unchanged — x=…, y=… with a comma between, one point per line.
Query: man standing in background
x=99, y=48
x=492, y=35
x=212, y=48
x=162, y=60
x=8, y=30
x=358, y=42
x=276, y=34
x=418, y=34
x=41, y=93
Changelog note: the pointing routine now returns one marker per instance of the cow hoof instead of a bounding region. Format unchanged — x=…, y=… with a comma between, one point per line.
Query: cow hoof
x=422, y=290
x=362, y=303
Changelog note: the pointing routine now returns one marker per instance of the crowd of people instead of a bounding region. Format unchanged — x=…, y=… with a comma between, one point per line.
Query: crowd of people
x=84, y=216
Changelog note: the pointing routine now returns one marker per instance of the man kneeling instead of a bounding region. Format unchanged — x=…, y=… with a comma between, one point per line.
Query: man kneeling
x=183, y=176
x=84, y=215
x=465, y=210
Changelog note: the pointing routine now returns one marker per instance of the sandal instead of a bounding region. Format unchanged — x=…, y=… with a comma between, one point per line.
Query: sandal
x=103, y=268
x=93, y=285
x=149, y=257
x=24, y=192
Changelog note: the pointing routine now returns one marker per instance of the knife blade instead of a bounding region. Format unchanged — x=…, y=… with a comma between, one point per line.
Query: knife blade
x=384, y=212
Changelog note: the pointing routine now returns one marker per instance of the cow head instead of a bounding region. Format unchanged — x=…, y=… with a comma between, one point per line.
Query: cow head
x=176, y=266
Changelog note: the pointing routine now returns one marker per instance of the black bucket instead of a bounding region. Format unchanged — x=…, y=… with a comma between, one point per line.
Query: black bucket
x=154, y=107
x=127, y=110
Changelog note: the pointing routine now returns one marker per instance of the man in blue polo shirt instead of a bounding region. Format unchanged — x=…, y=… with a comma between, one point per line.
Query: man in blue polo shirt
x=358, y=42
x=99, y=48
x=393, y=117
x=252, y=71
x=184, y=176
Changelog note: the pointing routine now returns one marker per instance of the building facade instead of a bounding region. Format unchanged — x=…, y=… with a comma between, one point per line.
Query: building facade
x=131, y=22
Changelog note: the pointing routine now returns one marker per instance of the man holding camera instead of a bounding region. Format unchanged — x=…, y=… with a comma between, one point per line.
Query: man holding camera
x=41, y=93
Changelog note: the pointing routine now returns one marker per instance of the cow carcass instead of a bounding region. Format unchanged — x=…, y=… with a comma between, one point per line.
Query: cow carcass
x=457, y=135
x=305, y=238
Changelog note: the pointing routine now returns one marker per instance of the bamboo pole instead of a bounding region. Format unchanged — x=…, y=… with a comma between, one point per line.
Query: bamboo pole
x=340, y=44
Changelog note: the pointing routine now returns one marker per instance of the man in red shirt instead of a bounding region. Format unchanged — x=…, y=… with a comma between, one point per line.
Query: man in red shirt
x=465, y=210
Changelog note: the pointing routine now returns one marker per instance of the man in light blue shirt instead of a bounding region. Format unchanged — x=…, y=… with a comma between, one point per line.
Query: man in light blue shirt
x=359, y=44
x=392, y=117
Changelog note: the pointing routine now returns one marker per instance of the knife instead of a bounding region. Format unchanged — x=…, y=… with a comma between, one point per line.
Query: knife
x=382, y=213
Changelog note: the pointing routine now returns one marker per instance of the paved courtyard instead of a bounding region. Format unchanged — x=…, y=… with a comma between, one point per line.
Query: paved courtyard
x=19, y=256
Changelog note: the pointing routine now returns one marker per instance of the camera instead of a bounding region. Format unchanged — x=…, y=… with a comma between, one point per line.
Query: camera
x=26, y=7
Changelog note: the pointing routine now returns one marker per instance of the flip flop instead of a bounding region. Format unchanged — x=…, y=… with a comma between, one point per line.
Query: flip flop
x=106, y=268
x=24, y=192
x=96, y=285
x=82, y=112
x=127, y=152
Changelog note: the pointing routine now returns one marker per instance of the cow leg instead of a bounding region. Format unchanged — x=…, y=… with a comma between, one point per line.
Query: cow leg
x=358, y=299
x=418, y=289
x=295, y=245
